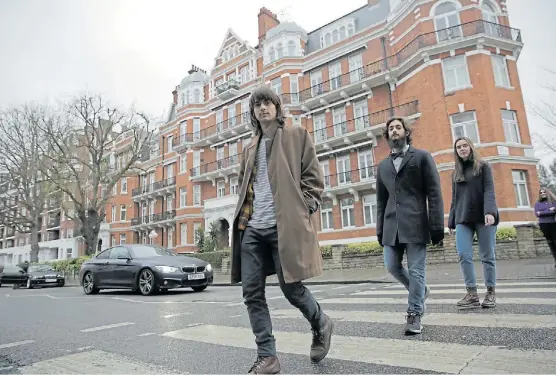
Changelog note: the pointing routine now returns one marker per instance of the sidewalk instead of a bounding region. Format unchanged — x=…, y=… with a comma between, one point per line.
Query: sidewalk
x=536, y=268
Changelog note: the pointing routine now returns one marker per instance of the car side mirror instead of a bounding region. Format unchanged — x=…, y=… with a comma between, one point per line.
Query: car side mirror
x=21, y=271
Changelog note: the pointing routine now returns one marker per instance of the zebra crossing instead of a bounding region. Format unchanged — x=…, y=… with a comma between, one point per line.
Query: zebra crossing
x=518, y=336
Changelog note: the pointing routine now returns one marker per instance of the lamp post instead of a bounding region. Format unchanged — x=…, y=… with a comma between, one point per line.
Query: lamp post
x=153, y=235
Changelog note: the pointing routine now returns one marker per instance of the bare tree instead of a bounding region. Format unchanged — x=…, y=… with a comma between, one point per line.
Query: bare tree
x=89, y=153
x=546, y=111
x=21, y=159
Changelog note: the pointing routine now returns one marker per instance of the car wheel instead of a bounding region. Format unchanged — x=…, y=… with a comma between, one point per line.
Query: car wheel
x=198, y=288
x=89, y=284
x=62, y=283
x=146, y=282
x=29, y=284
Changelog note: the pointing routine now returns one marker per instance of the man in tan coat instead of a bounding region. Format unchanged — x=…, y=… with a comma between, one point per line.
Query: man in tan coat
x=281, y=183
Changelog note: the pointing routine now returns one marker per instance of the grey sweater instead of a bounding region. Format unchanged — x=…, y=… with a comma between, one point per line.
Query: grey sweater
x=264, y=214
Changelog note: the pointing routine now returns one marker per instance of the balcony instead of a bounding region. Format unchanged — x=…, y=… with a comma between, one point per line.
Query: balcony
x=53, y=222
x=148, y=222
x=227, y=90
x=183, y=141
x=220, y=204
x=386, y=70
x=220, y=168
x=233, y=126
x=361, y=128
x=157, y=189
x=350, y=182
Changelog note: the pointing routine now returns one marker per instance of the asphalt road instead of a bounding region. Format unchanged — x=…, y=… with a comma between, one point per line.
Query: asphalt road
x=64, y=331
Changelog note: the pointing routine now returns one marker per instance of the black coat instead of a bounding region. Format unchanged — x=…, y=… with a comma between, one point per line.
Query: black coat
x=402, y=199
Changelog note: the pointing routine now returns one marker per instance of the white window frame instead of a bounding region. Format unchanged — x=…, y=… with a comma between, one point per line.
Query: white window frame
x=123, y=212
x=276, y=85
x=122, y=238
x=170, y=237
x=460, y=62
x=169, y=143
x=197, y=195
x=465, y=125
x=500, y=71
x=183, y=163
x=350, y=208
x=325, y=165
x=183, y=197
x=123, y=185
x=366, y=168
x=370, y=201
x=345, y=162
x=521, y=201
x=449, y=32
x=183, y=238
x=221, y=189
x=234, y=185
x=511, y=127
x=113, y=213
x=326, y=216
x=320, y=132
x=294, y=89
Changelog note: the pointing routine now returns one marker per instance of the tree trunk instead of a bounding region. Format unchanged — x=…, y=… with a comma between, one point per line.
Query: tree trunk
x=90, y=230
x=34, y=244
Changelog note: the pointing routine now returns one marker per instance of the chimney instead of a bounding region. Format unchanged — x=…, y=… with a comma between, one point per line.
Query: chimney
x=267, y=20
x=175, y=94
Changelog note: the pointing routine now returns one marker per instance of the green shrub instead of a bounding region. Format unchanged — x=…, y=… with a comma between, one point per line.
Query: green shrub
x=506, y=234
x=326, y=251
x=213, y=257
x=363, y=248
x=69, y=265
x=537, y=233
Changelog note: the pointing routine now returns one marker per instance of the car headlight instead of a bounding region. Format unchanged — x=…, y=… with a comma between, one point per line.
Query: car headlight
x=167, y=269
x=208, y=267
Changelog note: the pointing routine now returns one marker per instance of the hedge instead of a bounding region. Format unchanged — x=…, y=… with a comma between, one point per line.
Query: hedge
x=213, y=257
x=68, y=265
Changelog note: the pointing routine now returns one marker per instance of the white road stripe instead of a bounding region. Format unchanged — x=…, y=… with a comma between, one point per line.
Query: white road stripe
x=109, y=326
x=178, y=314
x=342, y=287
x=93, y=362
x=454, y=291
x=433, y=301
x=462, y=285
x=147, y=334
x=528, y=321
x=423, y=355
x=18, y=343
x=243, y=303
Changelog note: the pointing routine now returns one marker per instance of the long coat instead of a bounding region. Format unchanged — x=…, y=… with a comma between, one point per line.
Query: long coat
x=409, y=201
x=297, y=182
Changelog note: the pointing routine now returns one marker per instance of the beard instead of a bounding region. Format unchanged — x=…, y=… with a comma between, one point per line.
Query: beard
x=397, y=143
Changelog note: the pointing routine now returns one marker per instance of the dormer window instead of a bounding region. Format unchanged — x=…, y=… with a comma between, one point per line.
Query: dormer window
x=339, y=31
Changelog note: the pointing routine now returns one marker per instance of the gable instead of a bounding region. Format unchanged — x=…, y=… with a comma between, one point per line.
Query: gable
x=231, y=46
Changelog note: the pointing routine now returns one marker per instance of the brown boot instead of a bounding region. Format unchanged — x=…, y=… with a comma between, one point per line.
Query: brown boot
x=490, y=298
x=265, y=365
x=470, y=301
x=321, y=340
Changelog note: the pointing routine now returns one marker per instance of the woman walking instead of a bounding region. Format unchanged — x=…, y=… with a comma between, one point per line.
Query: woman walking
x=545, y=209
x=473, y=211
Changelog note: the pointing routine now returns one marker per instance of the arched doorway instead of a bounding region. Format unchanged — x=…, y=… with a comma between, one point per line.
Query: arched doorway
x=223, y=238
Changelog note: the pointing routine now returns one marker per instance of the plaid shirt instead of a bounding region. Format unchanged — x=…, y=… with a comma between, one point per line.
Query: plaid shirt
x=247, y=207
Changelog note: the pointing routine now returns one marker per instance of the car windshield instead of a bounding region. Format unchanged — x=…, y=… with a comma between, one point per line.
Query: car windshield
x=40, y=268
x=147, y=251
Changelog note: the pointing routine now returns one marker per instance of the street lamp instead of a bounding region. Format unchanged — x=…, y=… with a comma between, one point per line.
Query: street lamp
x=153, y=235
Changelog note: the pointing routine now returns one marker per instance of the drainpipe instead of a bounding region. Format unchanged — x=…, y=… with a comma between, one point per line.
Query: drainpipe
x=163, y=201
x=385, y=57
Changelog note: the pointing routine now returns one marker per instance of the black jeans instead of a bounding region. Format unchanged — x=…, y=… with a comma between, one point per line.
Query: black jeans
x=258, y=247
x=549, y=231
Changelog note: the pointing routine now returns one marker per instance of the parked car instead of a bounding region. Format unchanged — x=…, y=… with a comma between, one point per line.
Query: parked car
x=44, y=275
x=145, y=268
x=12, y=275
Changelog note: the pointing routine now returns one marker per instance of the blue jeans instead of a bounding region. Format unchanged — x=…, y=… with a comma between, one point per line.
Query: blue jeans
x=414, y=278
x=486, y=236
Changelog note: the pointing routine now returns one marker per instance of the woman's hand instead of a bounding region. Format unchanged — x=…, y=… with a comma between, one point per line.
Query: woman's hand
x=489, y=220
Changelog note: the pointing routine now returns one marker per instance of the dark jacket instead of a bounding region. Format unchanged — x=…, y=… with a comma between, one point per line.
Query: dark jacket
x=473, y=198
x=402, y=199
x=544, y=213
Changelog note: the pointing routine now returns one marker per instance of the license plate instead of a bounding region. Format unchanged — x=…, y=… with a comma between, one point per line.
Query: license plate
x=196, y=276
x=51, y=280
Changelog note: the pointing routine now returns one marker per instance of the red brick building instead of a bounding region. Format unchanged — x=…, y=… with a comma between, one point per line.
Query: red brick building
x=447, y=65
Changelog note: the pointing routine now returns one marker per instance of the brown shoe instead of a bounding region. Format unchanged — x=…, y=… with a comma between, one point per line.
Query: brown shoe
x=321, y=340
x=470, y=301
x=265, y=365
x=490, y=298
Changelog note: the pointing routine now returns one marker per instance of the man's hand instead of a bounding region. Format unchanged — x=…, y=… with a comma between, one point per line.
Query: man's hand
x=489, y=220
x=437, y=236
x=379, y=238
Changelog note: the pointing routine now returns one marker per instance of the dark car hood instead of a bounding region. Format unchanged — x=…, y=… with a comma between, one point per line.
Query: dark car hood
x=42, y=273
x=173, y=261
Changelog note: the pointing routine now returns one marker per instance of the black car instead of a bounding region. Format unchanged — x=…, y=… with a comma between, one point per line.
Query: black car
x=12, y=275
x=44, y=275
x=144, y=268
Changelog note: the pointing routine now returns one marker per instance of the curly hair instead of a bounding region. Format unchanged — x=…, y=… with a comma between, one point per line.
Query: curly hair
x=264, y=93
x=405, y=125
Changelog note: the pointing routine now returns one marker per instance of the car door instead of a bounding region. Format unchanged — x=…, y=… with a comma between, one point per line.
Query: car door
x=100, y=267
x=121, y=267
x=13, y=275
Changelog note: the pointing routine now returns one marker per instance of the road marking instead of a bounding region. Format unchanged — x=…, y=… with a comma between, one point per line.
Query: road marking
x=178, y=314
x=18, y=343
x=236, y=316
x=462, y=285
x=108, y=326
x=93, y=362
x=316, y=291
x=529, y=321
x=243, y=303
x=433, y=301
x=455, y=291
x=147, y=334
x=342, y=287
x=423, y=355
x=164, y=302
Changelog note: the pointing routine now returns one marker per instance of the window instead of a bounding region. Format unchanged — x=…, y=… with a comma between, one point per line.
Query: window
x=113, y=214
x=196, y=195
x=119, y=251
x=196, y=129
x=220, y=189
x=326, y=221
x=232, y=120
x=316, y=83
x=170, y=237
x=232, y=153
x=196, y=163
x=170, y=170
x=196, y=96
x=69, y=233
x=369, y=209
x=343, y=169
x=366, y=164
x=234, y=185
x=456, y=74
x=183, y=163
x=276, y=85
x=500, y=70
x=196, y=227
x=170, y=203
x=220, y=121
x=319, y=128
x=465, y=125
x=520, y=187
x=339, y=121
x=356, y=71
x=334, y=75
x=123, y=185
x=511, y=128
x=489, y=15
x=183, y=197
x=122, y=238
x=123, y=212
x=341, y=30
x=325, y=165
x=169, y=145
x=294, y=89
x=446, y=22
x=112, y=240
x=292, y=50
x=183, y=234
x=244, y=74
x=361, y=115
x=348, y=213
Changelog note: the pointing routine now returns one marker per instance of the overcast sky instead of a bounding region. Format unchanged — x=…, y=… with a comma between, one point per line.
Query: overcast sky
x=139, y=50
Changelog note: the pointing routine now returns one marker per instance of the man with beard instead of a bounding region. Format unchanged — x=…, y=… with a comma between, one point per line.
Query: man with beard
x=410, y=213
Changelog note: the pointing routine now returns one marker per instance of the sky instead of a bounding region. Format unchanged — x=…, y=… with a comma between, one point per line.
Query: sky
x=137, y=51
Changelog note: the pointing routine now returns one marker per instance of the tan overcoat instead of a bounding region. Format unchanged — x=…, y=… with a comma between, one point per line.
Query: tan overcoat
x=297, y=182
